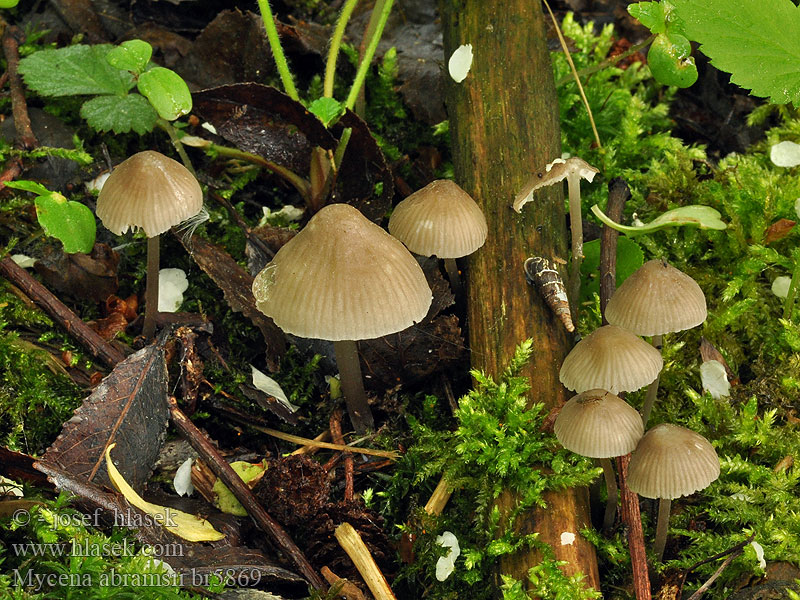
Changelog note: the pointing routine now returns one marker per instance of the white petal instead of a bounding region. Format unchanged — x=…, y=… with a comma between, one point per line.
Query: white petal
x=567, y=538
x=209, y=127
x=270, y=387
x=183, y=478
x=785, y=154
x=96, y=184
x=797, y=208
x=444, y=566
x=26, y=262
x=291, y=213
x=780, y=286
x=449, y=540
x=715, y=379
x=759, y=554
x=171, y=285
x=460, y=62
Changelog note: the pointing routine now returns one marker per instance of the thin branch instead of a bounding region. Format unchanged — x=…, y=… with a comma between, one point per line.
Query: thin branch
x=609, y=62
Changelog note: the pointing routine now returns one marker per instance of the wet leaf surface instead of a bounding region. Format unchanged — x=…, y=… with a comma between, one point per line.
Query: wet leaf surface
x=127, y=408
x=91, y=276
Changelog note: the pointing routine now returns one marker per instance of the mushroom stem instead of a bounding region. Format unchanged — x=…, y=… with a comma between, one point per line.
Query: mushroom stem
x=151, y=289
x=355, y=397
x=662, y=526
x=455, y=279
x=611, y=487
x=576, y=227
x=652, y=389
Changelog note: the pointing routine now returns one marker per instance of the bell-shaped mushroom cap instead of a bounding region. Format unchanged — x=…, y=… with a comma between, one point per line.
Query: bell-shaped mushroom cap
x=441, y=219
x=556, y=171
x=671, y=462
x=610, y=358
x=598, y=424
x=342, y=278
x=149, y=191
x=656, y=299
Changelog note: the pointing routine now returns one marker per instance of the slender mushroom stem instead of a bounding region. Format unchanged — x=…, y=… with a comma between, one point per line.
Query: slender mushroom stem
x=611, y=487
x=452, y=274
x=662, y=526
x=355, y=397
x=652, y=389
x=576, y=227
x=151, y=289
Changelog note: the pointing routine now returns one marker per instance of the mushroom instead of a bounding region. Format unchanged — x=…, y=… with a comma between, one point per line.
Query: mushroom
x=343, y=278
x=670, y=462
x=440, y=220
x=610, y=358
x=600, y=425
x=656, y=299
x=151, y=192
x=573, y=170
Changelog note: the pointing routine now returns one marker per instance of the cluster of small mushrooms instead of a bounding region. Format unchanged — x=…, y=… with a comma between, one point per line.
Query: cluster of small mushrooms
x=667, y=461
x=344, y=279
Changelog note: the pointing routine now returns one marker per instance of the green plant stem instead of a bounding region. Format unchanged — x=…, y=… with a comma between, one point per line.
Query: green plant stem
x=374, y=17
x=611, y=487
x=361, y=74
x=336, y=42
x=652, y=389
x=170, y=130
x=338, y=155
x=277, y=50
x=609, y=62
x=151, y=289
x=300, y=184
x=355, y=397
x=662, y=526
x=788, y=305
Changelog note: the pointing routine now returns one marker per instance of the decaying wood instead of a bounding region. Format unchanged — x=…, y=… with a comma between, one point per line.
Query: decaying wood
x=504, y=124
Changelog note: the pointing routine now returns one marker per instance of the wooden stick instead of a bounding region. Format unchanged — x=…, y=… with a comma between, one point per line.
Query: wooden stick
x=338, y=437
x=633, y=519
x=350, y=540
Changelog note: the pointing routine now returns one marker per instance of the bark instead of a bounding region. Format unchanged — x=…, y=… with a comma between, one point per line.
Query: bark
x=504, y=125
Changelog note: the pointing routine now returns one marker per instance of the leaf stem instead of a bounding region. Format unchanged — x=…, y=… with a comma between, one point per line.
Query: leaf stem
x=791, y=296
x=300, y=184
x=361, y=74
x=170, y=130
x=609, y=62
x=277, y=50
x=336, y=42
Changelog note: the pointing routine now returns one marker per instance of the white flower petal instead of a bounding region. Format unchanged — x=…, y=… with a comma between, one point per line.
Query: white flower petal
x=785, y=154
x=715, y=379
x=182, y=482
x=171, y=285
x=271, y=387
x=759, y=554
x=460, y=62
x=780, y=286
x=209, y=127
x=567, y=538
x=26, y=262
x=444, y=566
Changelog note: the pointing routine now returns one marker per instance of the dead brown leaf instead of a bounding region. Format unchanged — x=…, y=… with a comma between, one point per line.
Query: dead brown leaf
x=778, y=230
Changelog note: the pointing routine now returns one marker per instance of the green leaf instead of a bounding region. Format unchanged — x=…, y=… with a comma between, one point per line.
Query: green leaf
x=756, y=41
x=132, y=55
x=120, y=114
x=28, y=186
x=670, y=60
x=71, y=222
x=74, y=71
x=166, y=91
x=704, y=216
x=326, y=109
x=650, y=14
x=629, y=258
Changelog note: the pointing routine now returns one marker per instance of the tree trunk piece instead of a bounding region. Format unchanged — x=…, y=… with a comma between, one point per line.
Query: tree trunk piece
x=504, y=125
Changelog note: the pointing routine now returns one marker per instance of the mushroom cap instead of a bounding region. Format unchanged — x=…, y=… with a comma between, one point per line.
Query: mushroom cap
x=441, y=219
x=149, y=191
x=556, y=171
x=342, y=278
x=598, y=424
x=655, y=299
x=672, y=461
x=610, y=358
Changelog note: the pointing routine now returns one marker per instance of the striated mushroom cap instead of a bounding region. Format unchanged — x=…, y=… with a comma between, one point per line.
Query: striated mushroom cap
x=610, y=358
x=656, y=299
x=556, y=171
x=148, y=191
x=439, y=220
x=598, y=424
x=672, y=461
x=342, y=278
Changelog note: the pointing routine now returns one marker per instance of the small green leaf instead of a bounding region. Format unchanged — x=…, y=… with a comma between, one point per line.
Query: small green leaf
x=132, y=55
x=670, y=60
x=28, y=186
x=629, y=258
x=650, y=14
x=166, y=91
x=73, y=71
x=326, y=110
x=704, y=216
x=120, y=114
x=8, y=3
x=71, y=222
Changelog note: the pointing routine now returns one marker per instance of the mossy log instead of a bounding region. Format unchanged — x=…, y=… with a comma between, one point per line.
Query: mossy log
x=504, y=124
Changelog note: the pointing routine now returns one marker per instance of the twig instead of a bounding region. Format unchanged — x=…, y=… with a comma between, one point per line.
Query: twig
x=12, y=38
x=44, y=298
x=336, y=435
x=633, y=519
x=618, y=194
x=223, y=470
x=350, y=541
x=609, y=62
